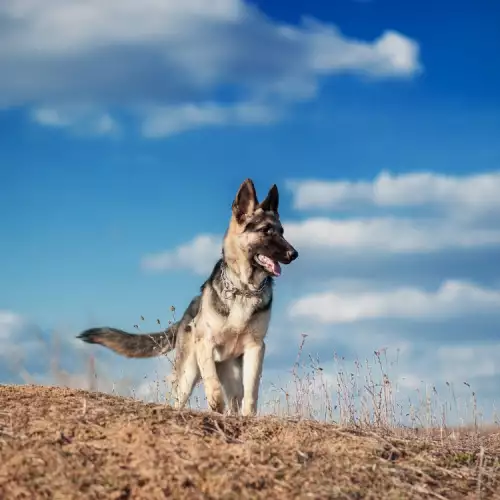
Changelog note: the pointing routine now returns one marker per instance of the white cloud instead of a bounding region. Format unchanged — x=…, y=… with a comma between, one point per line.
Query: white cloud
x=465, y=362
x=463, y=201
x=80, y=120
x=32, y=355
x=198, y=255
x=474, y=193
x=380, y=236
x=391, y=54
x=452, y=364
x=177, y=53
x=451, y=299
x=170, y=120
x=19, y=338
x=10, y=324
x=387, y=234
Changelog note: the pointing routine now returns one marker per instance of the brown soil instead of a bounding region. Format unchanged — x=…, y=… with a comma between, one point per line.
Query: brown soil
x=64, y=443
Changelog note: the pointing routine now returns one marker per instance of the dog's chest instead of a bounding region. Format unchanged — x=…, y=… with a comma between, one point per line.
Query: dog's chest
x=243, y=325
x=241, y=311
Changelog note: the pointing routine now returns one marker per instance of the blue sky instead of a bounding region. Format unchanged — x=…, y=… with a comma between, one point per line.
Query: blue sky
x=126, y=132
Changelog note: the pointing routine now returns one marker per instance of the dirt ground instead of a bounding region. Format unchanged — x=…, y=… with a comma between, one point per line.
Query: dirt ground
x=64, y=443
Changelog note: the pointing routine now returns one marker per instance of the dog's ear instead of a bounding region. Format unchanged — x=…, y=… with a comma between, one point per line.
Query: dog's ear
x=272, y=200
x=246, y=200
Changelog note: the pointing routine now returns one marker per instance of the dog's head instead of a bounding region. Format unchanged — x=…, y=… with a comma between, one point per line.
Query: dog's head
x=256, y=231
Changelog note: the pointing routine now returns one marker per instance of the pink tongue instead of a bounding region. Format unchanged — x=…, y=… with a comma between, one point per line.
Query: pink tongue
x=272, y=266
x=276, y=268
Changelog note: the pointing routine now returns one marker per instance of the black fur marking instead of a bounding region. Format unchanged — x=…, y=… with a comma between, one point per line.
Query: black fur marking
x=215, y=276
x=132, y=345
x=264, y=306
x=192, y=309
x=258, y=221
x=219, y=306
x=272, y=200
x=91, y=335
x=245, y=201
x=191, y=312
x=217, y=302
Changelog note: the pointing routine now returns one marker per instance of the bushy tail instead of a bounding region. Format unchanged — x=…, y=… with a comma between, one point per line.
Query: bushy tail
x=145, y=345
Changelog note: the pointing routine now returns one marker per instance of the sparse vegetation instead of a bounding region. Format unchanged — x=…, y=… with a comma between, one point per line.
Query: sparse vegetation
x=338, y=434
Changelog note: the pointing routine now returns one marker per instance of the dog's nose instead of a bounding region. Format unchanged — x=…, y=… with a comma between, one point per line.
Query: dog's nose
x=292, y=254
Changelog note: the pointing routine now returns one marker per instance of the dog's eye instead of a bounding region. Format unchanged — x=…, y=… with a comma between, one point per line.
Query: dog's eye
x=267, y=229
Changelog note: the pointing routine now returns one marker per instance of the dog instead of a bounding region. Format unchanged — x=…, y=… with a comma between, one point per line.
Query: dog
x=220, y=338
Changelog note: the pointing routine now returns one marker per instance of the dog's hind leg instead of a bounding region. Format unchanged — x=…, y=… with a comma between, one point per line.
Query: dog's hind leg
x=187, y=374
x=230, y=373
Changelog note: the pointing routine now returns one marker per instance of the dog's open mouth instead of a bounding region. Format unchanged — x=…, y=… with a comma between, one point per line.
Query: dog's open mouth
x=271, y=266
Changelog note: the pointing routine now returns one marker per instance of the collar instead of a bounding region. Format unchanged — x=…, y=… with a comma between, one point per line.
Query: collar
x=229, y=289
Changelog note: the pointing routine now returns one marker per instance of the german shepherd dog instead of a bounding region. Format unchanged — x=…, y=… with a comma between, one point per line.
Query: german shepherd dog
x=220, y=337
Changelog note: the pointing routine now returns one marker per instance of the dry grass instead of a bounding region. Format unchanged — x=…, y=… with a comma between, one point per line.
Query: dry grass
x=66, y=443
x=337, y=433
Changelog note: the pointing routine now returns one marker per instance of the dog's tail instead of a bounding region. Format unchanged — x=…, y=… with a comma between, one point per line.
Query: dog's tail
x=145, y=345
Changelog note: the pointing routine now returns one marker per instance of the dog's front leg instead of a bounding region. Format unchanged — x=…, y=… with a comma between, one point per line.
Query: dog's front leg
x=253, y=358
x=213, y=387
x=231, y=377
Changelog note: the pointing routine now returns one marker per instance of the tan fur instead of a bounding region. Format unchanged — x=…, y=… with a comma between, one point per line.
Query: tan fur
x=222, y=341
x=221, y=336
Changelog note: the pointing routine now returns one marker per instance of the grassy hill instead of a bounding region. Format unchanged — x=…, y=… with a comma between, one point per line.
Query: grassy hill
x=65, y=443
